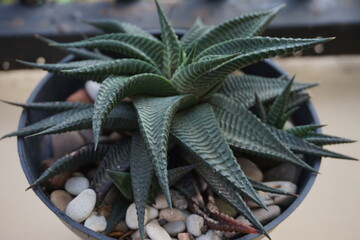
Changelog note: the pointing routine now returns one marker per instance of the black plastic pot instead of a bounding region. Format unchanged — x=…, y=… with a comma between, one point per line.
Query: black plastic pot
x=54, y=88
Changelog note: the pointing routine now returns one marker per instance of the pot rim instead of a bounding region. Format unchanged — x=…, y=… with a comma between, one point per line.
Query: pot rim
x=74, y=226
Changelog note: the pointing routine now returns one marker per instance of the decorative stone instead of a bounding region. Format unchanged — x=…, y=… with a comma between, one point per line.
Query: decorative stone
x=282, y=200
x=283, y=172
x=75, y=185
x=225, y=207
x=155, y=231
x=121, y=227
x=96, y=222
x=210, y=235
x=77, y=174
x=160, y=202
x=178, y=200
x=194, y=224
x=131, y=216
x=64, y=143
x=92, y=89
x=81, y=206
x=60, y=199
x=173, y=228
x=183, y=236
x=79, y=96
x=250, y=169
x=58, y=181
x=202, y=184
x=174, y=215
x=265, y=198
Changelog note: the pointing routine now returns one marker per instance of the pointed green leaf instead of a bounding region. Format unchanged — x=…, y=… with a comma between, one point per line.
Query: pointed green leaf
x=262, y=187
x=154, y=116
x=277, y=109
x=242, y=88
x=172, y=49
x=116, y=159
x=189, y=40
x=122, y=67
x=244, y=26
x=122, y=181
x=122, y=117
x=151, y=48
x=286, y=117
x=296, y=99
x=223, y=187
x=323, y=139
x=115, y=88
x=302, y=131
x=42, y=124
x=248, y=134
x=58, y=67
x=298, y=145
x=122, y=48
x=117, y=213
x=258, y=108
x=78, y=52
x=113, y=26
x=198, y=130
x=185, y=79
x=250, y=50
x=142, y=171
x=72, y=161
x=51, y=106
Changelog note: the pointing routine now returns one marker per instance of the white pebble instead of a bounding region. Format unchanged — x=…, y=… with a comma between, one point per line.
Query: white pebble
x=96, y=222
x=174, y=215
x=131, y=216
x=160, y=202
x=173, y=228
x=282, y=200
x=92, y=89
x=156, y=232
x=81, y=206
x=75, y=185
x=194, y=224
x=178, y=200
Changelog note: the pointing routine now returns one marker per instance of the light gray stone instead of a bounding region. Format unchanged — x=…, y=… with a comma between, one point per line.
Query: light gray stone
x=96, y=222
x=282, y=200
x=173, y=215
x=160, y=202
x=173, y=228
x=131, y=216
x=64, y=143
x=60, y=199
x=155, y=231
x=75, y=185
x=250, y=169
x=194, y=224
x=81, y=206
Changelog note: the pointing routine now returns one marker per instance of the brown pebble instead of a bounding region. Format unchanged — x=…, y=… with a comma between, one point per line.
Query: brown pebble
x=250, y=169
x=183, y=236
x=60, y=199
x=57, y=181
x=79, y=96
x=121, y=227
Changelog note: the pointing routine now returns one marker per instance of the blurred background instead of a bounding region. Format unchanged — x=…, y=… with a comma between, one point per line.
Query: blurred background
x=331, y=210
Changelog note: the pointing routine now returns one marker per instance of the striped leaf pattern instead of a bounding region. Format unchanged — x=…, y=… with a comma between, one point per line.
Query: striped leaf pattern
x=189, y=40
x=244, y=26
x=51, y=106
x=115, y=88
x=248, y=134
x=154, y=116
x=242, y=88
x=122, y=67
x=324, y=139
x=172, y=52
x=198, y=131
x=141, y=170
x=113, y=26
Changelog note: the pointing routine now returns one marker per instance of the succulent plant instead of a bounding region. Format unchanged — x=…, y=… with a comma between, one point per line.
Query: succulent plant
x=185, y=94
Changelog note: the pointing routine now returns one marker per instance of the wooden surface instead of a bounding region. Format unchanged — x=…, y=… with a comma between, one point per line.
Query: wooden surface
x=331, y=210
